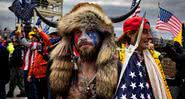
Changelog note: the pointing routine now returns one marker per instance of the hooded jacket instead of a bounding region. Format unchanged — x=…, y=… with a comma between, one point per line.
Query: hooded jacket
x=85, y=16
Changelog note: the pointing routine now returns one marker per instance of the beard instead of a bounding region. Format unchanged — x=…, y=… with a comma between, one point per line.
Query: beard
x=88, y=54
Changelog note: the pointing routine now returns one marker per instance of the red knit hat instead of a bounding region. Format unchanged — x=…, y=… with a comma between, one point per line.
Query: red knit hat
x=133, y=24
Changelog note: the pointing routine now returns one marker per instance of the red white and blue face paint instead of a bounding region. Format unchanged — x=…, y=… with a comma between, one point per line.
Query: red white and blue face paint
x=86, y=38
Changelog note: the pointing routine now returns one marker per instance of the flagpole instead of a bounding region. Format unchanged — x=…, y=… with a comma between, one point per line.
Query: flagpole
x=159, y=9
x=158, y=16
x=158, y=4
x=131, y=49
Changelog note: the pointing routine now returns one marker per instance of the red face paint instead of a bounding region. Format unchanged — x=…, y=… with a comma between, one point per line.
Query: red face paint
x=77, y=34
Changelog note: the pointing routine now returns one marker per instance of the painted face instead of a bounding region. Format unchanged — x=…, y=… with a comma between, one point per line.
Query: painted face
x=86, y=41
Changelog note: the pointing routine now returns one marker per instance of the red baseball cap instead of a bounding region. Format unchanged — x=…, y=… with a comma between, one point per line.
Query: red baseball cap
x=133, y=24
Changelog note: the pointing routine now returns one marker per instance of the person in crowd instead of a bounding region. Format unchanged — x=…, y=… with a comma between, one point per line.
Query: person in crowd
x=39, y=67
x=177, y=53
x=94, y=73
x=141, y=75
x=29, y=55
x=16, y=71
x=34, y=31
x=4, y=69
x=10, y=47
x=54, y=37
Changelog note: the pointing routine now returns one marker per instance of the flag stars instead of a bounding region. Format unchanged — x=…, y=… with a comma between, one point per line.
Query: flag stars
x=147, y=85
x=148, y=96
x=123, y=96
x=140, y=74
x=132, y=74
x=142, y=96
x=133, y=96
x=133, y=85
x=141, y=85
x=123, y=87
x=139, y=64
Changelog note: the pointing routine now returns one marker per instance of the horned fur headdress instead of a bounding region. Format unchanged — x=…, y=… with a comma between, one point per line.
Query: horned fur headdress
x=85, y=16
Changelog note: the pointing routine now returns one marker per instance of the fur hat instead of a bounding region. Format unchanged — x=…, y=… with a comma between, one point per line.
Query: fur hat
x=85, y=16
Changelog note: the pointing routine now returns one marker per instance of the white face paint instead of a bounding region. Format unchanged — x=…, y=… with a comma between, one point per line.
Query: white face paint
x=86, y=39
x=87, y=44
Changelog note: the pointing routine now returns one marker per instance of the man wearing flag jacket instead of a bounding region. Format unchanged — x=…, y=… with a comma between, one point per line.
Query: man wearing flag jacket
x=28, y=57
x=39, y=67
x=141, y=76
x=34, y=63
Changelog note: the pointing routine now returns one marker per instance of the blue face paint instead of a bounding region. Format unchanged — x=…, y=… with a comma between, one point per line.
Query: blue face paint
x=87, y=36
x=94, y=36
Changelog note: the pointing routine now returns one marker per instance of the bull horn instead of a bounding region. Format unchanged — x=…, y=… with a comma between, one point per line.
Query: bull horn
x=123, y=17
x=48, y=22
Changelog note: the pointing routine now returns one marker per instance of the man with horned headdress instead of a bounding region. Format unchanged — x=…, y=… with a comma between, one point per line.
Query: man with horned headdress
x=94, y=73
x=84, y=63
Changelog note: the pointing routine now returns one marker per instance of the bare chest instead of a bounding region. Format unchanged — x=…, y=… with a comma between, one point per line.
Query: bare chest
x=84, y=88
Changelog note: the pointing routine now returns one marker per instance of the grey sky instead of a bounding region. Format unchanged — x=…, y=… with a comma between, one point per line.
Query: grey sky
x=111, y=7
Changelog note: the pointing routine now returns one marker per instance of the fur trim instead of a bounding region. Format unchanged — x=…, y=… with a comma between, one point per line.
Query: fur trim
x=106, y=80
x=60, y=76
x=85, y=16
x=61, y=49
x=106, y=51
x=61, y=69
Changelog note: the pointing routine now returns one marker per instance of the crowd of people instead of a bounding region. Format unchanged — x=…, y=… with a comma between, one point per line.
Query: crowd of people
x=24, y=62
x=83, y=60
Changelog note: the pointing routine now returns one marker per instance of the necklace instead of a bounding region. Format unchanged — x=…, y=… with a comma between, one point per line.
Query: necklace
x=86, y=83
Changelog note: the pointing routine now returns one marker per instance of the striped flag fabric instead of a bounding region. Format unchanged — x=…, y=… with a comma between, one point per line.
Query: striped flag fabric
x=138, y=10
x=168, y=22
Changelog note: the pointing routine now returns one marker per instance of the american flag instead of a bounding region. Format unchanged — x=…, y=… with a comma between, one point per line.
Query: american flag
x=167, y=21
x=138, y=10
x=135, y=82
x=38, y=23
x=46, y=29
x=22, y=10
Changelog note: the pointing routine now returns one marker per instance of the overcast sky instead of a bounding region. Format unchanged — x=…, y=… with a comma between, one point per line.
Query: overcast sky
x=175, y=6
x=7, y=18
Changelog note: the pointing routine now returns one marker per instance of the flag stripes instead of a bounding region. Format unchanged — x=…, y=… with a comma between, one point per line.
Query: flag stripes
x=138, y=10
x=167, y=21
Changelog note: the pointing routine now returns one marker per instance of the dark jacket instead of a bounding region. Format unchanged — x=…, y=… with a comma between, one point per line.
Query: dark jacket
x=4, y=67
x=16, y=59
x=177, y=54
